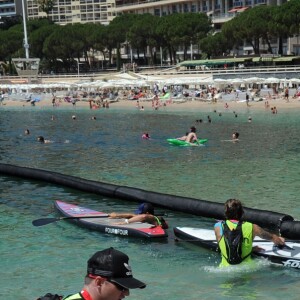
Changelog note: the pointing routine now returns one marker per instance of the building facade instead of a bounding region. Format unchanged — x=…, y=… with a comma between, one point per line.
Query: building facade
x=75, y=11
x=103, y=11
x=10, y=8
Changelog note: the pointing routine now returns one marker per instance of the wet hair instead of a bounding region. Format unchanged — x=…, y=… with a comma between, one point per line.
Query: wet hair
x=164, y=224
x=233, y=209
x=148, y=208
x=41, y=139
x=145, y=208
x=193, y=129
x=236, y=135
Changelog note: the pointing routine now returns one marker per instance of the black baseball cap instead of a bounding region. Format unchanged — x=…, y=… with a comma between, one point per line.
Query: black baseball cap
x=114, y=265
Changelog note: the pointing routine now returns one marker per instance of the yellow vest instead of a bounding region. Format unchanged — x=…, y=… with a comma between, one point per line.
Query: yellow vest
x=73, y=297
x=247, y=229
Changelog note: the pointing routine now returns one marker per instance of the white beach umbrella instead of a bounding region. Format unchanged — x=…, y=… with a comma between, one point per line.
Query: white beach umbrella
x=272, y=80
x=237, y=81
x=295, y=80
x=254, y=80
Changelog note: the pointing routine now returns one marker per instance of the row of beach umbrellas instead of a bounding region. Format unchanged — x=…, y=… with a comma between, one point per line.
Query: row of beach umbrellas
x=132, y=83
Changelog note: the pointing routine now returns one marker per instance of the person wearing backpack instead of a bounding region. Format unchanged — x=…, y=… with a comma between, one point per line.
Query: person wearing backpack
x=235, y=236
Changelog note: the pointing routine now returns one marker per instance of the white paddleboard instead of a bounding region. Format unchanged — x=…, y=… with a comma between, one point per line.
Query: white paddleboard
x=288, y=256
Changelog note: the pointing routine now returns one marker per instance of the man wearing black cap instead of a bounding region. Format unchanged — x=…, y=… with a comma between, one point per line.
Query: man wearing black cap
x=109, y=277
x=144, y=214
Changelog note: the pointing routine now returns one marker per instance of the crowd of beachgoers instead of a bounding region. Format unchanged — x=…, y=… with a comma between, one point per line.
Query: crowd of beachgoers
x=152, y=96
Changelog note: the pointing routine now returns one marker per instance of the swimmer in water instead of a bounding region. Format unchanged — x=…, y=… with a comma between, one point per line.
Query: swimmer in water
x=146, y=136
x=42, y=140
x=235, y=137
x=27, y=131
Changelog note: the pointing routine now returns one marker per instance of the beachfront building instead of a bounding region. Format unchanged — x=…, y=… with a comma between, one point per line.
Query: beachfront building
x=10, y=8
x=75, y=11
x=220, y=11
x=103, y=11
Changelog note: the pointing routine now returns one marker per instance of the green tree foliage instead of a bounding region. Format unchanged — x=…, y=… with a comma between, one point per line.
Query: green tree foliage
x=142, y=34
x=46, y=6
x=215, y=45
x=63, y=46
x=38, y=31
x=117, y=34
x=250, y=26
x=11, y=47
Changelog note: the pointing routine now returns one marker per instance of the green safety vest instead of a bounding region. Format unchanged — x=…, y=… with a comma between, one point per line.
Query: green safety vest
x=73, y=297
x=247, y=229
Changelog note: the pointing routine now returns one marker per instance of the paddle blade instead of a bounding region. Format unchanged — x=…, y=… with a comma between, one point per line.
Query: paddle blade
x=45, y=221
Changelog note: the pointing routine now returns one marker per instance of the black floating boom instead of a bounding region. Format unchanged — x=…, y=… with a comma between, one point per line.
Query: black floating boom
x=274, y=221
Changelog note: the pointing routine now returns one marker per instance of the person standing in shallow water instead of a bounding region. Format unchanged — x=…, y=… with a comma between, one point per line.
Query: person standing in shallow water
x=233, y=216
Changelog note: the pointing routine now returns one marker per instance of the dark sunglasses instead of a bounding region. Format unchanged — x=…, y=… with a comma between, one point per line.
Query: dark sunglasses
x=119, y=287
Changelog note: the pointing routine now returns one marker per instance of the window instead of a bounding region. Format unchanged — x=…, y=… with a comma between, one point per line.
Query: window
x=157, y=12
x=296, y=49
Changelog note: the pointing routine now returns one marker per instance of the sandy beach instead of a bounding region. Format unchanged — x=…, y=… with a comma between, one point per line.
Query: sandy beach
x=224, y=100
x=191, y=104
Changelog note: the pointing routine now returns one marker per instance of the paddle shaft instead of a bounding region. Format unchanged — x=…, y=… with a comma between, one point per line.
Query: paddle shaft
x=46, y=221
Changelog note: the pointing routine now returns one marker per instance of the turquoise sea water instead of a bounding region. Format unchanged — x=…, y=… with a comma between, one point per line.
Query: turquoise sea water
x=262, y=170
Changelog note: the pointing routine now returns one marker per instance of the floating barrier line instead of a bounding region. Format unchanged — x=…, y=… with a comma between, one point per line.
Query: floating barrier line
x=278, y=222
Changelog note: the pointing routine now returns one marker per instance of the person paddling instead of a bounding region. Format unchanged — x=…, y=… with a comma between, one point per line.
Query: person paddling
x=144, y=214
x=233, y=224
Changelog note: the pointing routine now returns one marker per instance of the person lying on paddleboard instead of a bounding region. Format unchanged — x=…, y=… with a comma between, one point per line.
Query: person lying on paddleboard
x=235, y=237
x=144, y=214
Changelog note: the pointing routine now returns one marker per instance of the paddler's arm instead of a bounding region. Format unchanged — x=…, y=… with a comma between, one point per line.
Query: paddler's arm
x=217, y=233
x=196, y=139
x=258, y=231
x=144, y=218
x=114, y=215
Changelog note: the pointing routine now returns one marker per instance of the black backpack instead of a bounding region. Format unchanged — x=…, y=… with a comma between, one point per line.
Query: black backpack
x=233, y=242
x=50, y=296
